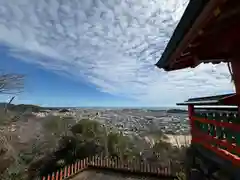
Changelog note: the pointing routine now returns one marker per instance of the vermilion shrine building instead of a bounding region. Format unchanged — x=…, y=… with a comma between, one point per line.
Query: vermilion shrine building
x=209, y=31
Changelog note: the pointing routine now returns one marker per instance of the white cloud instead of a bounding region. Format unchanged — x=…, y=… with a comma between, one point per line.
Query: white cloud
x=113, y=44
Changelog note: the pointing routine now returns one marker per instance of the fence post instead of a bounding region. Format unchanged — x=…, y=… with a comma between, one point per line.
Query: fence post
x=118, y=163
x=155, y=169
x=72, y=171
x=104, y=162
x=87, y=162
x=107, y=162
x=170, y=167
x=69, y=171
x=49, y=177
x=82, y=164
x=57, y=175
x=130, y=165
x=53, y=176
x=75, y=167
x=60, y=175
x=136, y=165
x=78, y=165
x=65, y=171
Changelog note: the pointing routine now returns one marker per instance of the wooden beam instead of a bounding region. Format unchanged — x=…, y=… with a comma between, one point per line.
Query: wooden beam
x=206, y=16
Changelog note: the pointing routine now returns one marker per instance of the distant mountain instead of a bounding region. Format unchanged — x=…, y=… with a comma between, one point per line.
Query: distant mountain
x=176, y=111
x=22, y=107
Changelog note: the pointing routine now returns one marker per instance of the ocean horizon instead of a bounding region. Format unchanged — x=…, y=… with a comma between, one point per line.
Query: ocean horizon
x=143, y=108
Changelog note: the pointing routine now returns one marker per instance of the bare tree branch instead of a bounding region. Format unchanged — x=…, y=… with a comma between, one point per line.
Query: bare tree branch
x=11, y=83
x=6, y=106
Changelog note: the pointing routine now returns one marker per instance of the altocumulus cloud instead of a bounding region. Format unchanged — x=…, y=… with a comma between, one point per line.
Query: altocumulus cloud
x=112, y=44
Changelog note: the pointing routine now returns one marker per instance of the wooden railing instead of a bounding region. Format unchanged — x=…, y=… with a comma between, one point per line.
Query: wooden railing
x=217, y=129
x=215, y=124
x=134, y=166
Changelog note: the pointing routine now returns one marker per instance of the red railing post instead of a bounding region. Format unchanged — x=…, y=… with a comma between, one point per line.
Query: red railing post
x=72, y=169
x=133, y=165
x=87, y=162
x=53, y=176
x=170, y=167
x=61, y=175
x=69, y=171
x=191, y=120
x=57, y=175
x=78, y=165
x=65, y=171
x=84, y=163
x=49, y=177
x=75, y=167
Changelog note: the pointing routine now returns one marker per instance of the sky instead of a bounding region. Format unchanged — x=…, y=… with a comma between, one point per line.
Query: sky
x=99, y=53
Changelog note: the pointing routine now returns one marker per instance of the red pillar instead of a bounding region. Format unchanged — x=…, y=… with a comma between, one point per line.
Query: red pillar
x=236, y=74
x=235, y=64
x=190, y=116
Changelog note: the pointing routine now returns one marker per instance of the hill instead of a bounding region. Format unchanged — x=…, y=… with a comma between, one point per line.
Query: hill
x=22, y=107
x=176, y=111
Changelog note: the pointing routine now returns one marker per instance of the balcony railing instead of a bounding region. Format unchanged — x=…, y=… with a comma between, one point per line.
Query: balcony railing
x=133, y=167
x=215, y=125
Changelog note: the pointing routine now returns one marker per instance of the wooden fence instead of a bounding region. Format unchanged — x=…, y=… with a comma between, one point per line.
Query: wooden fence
x=134, y=166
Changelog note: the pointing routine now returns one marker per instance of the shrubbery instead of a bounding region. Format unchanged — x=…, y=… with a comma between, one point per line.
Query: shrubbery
x=67, y=140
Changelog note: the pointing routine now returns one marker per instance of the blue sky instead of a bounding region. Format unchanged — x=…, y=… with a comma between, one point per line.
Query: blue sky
x=99, y=53
x=47, y=88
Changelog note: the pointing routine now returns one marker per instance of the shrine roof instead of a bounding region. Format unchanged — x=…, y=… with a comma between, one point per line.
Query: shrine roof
x=202, y=21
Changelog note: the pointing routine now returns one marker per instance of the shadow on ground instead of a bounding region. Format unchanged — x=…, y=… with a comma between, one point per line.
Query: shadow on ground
x=105, y=175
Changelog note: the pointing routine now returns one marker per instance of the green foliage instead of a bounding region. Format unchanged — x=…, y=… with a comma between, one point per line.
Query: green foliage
x=4, y=118
x=157, y=135
x=57, y=125
x=15, y=172
x=74, y=141
x=121, y=146
x=181, y=176
x=87, y=128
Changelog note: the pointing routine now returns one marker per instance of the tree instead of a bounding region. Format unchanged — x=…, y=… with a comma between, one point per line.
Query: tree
x=11, y=83
x=88, y=129
x=121, y=146
x=57, y=125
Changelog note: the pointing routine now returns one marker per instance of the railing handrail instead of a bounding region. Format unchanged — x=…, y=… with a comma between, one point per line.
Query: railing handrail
x=101, y=162
x=216, y=129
